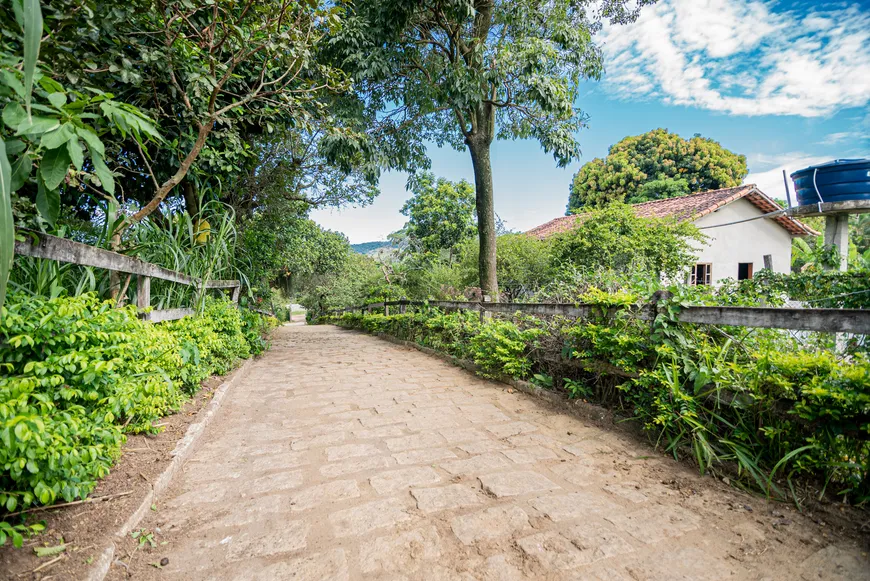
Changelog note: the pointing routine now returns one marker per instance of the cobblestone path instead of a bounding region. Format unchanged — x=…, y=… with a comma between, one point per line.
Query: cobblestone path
x=341, y=456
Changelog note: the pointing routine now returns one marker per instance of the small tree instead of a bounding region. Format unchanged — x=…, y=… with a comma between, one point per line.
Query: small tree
x=441, y=215
x=465, y=72
x=654, y=166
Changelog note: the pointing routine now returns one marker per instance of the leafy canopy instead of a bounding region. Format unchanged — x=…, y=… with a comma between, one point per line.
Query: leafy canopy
x=654, y=166
x=524, y=264
x=614, y=238
x=441, y=215
x=457, y=69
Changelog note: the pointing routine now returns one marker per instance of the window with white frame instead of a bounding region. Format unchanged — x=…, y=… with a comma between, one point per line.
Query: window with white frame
x=702, y=273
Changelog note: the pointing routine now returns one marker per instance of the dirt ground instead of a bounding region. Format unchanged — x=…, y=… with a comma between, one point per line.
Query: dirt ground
x=341, y=456
x=86, y=528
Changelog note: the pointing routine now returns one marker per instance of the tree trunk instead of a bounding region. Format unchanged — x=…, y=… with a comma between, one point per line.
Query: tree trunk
x=486, y=232
x=191, y=201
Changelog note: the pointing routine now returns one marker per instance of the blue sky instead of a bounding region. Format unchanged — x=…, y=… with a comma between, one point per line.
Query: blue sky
x=786, y=83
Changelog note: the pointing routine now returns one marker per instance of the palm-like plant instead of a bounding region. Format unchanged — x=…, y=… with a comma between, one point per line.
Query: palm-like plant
x=201, y=246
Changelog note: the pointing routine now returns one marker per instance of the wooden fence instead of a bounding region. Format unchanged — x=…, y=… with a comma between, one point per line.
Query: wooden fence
x=856, y=321
x=63, y=250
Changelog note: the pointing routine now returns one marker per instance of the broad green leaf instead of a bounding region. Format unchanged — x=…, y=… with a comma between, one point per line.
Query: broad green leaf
x=11, y=503
x=57, y=99
x=21, y=171
x=58, y=137
x=12, y=80
x=37, y=126
x=15, y=146
x=54, y=167
x=102, y=171
x=94, y=143
x=7, y=226
x=32, y=39
x=18, y=10
x=76, y=154
x=14, y=115
x=48, y=203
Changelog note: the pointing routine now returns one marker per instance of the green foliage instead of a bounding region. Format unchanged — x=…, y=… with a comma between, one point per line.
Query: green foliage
x=63, y=146
x=201, y=246
x=514, y=69
x=359, y=279
x=290, y=251
x=758, y=401
x=524, y=264
x=440, y=216
x=500, y=348
x=213, y=81
x=18, y=532
x=830, y=289
x=614, y=238
x=654, y=166
x=76, y=374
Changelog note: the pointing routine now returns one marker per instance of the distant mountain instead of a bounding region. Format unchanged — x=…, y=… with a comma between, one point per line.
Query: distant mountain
x=369, y=247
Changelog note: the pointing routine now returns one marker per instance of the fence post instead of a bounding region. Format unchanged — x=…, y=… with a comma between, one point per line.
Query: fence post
x=403, y=308
x=484, y=314
x=386, y=310
x=768, y=261
x=237, y=290
x=143, y=293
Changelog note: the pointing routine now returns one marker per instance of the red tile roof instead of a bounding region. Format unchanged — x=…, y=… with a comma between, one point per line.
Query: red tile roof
x=689, y=207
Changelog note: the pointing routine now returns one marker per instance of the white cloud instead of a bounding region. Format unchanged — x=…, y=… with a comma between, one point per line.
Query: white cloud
x=743, y=57
x=839, y=137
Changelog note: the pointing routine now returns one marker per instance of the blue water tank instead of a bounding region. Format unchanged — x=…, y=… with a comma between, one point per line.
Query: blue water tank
x=835, y=181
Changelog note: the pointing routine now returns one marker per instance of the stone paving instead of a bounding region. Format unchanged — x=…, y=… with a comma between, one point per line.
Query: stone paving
x=341, y=456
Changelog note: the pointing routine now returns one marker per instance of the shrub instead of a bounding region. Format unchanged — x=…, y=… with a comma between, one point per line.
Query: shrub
x=76, y=374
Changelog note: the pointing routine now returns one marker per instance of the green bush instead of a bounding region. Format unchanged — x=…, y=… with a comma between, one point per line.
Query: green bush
x=76, y=374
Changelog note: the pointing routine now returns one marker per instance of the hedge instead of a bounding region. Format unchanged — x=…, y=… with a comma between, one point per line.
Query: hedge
x=77, y=374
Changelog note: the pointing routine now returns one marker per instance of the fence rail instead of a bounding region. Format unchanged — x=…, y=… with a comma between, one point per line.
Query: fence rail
x=63, y=250
x=855, y=321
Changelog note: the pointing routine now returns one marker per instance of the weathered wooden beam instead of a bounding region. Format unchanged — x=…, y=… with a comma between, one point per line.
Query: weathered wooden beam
x=143, y=294
x=822, y=320
x=222, y=284
x=64, y=250
x=168, y=315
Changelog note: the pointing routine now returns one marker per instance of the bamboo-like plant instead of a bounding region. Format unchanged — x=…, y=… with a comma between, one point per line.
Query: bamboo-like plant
x=201, y=246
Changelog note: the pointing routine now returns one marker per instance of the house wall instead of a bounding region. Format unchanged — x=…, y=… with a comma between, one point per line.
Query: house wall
x=746, y=242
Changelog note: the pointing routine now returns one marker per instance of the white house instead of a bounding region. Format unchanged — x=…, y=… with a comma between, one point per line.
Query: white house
x=736, y=247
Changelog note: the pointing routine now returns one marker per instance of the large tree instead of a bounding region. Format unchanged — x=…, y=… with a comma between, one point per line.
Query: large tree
x=465, y=72
x=217, y=78
x=653, y=166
